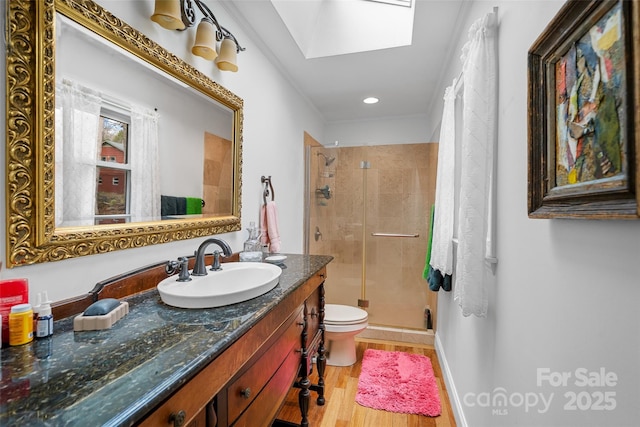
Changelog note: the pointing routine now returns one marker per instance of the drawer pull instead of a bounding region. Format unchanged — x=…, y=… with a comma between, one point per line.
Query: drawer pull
x=245, y=392
x=300, y=323
x=177, y=419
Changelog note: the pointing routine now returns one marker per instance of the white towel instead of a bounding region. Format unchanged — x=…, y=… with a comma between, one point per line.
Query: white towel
x=442, y=240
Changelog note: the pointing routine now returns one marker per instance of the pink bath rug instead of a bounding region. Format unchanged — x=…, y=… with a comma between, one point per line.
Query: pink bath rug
x=398, y=382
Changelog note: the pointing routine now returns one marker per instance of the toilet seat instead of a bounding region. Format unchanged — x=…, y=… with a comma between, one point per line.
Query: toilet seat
x=335, y=314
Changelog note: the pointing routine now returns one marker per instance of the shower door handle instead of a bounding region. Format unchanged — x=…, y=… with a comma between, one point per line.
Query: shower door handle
x=394, y=235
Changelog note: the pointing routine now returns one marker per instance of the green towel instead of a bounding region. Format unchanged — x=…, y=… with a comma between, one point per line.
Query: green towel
x=194, y=205
x=427, y=266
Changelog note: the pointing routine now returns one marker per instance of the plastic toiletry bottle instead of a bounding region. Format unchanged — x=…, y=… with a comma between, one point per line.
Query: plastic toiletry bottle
x=36, y=311
x=12, y=292
x=44, y=324
x=20, y=324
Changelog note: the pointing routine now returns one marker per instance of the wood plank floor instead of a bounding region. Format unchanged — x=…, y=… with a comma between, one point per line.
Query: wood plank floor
x=341, y=383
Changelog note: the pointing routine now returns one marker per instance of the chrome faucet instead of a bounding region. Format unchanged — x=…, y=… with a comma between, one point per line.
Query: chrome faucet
x=199, y=269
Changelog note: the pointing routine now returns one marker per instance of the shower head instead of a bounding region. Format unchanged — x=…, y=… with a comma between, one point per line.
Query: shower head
x=327, y=160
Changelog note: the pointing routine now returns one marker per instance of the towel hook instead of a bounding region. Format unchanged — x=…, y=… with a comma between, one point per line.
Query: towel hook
x=268, y=189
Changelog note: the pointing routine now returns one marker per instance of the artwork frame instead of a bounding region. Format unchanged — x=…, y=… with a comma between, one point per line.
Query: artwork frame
x=584, y=113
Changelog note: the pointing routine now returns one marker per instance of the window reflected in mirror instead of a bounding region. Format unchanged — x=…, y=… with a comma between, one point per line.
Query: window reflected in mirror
x=106, y=158
x=113, y=191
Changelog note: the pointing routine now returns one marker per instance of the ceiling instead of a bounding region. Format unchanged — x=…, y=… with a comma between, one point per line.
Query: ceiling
x=408, y=80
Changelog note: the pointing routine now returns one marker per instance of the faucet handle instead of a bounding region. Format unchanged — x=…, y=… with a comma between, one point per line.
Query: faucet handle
x=182, y=266
x=215, y=265
x=184, y=270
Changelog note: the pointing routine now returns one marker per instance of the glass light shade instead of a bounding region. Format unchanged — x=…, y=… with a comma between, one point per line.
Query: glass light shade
x=205, y=44
x=168, y=15
x=228, y=58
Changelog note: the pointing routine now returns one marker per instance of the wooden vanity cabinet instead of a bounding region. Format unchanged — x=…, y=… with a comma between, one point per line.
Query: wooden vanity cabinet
x=312, y=342
x=276, y=362
x=247, y=383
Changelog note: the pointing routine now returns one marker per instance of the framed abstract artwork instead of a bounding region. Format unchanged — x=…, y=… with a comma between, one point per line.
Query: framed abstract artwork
x=583, y=117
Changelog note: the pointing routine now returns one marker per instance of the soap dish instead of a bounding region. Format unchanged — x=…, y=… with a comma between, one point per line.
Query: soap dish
x=106, y=321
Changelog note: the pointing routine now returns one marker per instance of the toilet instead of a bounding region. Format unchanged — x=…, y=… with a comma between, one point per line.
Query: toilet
x=341, y=324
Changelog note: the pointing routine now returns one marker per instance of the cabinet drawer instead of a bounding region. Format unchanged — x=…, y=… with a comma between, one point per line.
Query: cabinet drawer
x=266, y=406
x=244, y=390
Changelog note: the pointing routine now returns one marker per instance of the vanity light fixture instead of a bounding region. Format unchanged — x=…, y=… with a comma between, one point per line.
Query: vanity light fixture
x=181, y=14
x=370, y=100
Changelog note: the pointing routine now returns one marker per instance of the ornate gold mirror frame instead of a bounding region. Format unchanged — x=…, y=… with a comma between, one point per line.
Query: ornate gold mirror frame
x=31, y=233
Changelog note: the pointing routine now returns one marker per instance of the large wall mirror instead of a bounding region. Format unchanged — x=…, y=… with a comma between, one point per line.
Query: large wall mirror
x=112, y=141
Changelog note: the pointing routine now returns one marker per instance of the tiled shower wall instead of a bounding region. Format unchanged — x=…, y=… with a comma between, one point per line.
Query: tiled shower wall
x=218, y=175
x=400, y=189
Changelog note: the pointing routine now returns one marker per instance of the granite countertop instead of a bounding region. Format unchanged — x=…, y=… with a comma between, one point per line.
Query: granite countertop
x=116, y=376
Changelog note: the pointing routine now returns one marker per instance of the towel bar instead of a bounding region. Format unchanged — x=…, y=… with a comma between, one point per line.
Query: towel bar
x=268, y=189
x=394, y=235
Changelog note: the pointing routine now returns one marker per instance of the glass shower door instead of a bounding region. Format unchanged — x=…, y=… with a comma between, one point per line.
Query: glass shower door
x=371, y=212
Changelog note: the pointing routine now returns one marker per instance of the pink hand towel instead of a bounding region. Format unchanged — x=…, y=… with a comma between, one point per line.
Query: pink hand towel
x=269, y=226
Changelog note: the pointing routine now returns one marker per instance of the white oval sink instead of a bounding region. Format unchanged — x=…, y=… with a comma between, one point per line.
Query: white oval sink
x=236, y=282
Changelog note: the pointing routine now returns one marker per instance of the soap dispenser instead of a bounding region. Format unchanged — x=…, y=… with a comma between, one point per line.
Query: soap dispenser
x=250, y=243
x=252, y=251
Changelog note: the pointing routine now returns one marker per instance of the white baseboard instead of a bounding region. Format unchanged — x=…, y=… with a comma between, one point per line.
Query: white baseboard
x=454, y=398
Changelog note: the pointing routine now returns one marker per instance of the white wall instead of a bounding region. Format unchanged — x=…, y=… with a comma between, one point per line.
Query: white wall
x=386, y=131
x=567, y=290
x=275, y=117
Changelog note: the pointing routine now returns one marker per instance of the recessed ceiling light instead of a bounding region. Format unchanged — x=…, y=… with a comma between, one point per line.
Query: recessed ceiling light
x=370, y=100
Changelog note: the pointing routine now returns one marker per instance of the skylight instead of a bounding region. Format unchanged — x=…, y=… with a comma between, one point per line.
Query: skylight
x=337, y=27
x=406, y=3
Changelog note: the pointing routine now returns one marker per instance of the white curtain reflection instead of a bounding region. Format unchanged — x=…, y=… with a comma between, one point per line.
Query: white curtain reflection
x=77, y=131
x=145, y=165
